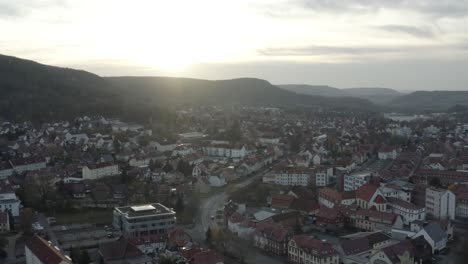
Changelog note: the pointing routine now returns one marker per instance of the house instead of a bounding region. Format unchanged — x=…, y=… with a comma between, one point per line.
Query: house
x=122, y=251
x=27, y=164
x=330, y=197
x=39, y=251
x=4, y=222
x=306, y=249
x=369, y=196
x=401, y=252
x=387, y=152
x=217, y=180
x=408, y=211
x=9, y=201
x=371, y=220
x=434, y=235
x=356, y=248
x=329, y=218
x=241, y=225
x=99, y=170
x=206, y=257
x=292, y=175
x=150, y=244
x=225, y=150
x=440, y=203
x=281, y=201
x=272, y=237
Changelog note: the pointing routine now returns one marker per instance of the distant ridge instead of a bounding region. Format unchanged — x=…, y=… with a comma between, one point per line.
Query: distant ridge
x=376, y=95
x=34, y=91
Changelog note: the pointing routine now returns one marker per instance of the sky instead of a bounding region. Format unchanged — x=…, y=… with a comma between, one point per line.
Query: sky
x=401, y=44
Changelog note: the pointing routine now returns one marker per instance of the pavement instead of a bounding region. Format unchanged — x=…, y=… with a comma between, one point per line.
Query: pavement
x=10, y=249
x=208, y=208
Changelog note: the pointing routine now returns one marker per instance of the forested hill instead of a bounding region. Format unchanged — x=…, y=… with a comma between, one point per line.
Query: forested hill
x=248, y=91
x=34, y=91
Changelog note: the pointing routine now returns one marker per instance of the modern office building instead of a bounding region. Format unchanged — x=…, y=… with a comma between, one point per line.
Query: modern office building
x=143, y=220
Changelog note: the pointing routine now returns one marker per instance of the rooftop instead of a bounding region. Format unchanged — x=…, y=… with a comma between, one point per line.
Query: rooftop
x=144, y=210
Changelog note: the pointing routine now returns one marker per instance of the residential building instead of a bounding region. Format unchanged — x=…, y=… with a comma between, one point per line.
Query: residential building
x=440, y=203
x=143, y=220
x=401, y=252
x=356, y=180
x=39, y=251
x=272, y=237
x=9, y=201
x=27, y=164
x=434, y=235
x=330, y=197
x=292, y=176
x=306, y=249
x=408, y=211
x=122, y=251
x=371, y=220
x=225, y=150
x=99, y=170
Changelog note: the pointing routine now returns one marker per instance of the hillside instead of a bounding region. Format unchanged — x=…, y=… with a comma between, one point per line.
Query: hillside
x=375, y=95
x=320, y=90
x=250, y=91
x=34, y=91
x=430, y=100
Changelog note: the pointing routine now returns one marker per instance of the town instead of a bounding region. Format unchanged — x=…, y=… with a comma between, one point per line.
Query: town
x=236, y=184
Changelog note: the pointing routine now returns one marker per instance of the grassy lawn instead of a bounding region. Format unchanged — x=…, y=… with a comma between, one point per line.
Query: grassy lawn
x=89, y=216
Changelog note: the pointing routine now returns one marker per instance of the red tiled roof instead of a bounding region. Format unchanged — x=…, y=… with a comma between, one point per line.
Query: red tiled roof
x=45, y=252
x=119, y=249
x=312, y=246
x=273, y=231
x=365, y=192
x=394, y=251
x=206, y=257
x=328, y=213
x=281, y=200
x=379, y=199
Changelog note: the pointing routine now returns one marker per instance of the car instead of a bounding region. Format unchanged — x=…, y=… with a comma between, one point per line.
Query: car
x=212, y=217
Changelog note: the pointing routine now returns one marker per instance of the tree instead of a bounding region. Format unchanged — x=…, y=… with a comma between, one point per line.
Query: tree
x=84, y=257
x=168, y=167
x=435, y=182
x=26, y=220
x=124, y=179
x=208, y=236
x=38, y=188
x=11, y=220
x=179, y=207
x=184, y=167
x=297, y=227
x=3, y=242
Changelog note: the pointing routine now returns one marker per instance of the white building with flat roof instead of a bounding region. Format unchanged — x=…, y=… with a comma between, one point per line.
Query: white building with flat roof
x=354, y=181
x=440, y=203
x=144, y=220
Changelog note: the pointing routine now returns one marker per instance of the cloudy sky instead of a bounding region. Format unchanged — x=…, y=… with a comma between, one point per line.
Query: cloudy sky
x=402, y=44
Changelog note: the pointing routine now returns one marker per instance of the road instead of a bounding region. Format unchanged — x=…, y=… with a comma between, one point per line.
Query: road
x=210, y=205
x=208, y=208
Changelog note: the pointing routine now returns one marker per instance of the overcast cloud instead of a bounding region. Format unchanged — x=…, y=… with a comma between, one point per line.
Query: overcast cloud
x=402, y=44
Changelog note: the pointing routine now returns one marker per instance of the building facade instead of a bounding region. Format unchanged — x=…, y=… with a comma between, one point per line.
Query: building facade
x=440, y=203
x=144, y=220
